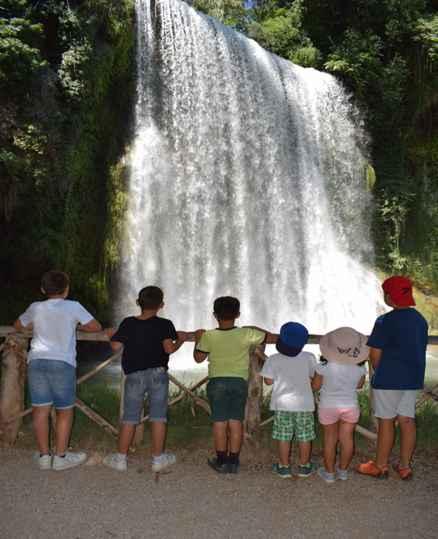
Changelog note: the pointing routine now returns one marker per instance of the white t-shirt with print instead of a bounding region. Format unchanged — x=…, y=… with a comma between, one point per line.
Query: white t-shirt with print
x=291, y=391
x=339, y=385
x=54, y=328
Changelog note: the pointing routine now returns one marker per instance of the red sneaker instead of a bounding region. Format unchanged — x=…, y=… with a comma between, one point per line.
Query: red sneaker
x=371, y=468
x=405, y=473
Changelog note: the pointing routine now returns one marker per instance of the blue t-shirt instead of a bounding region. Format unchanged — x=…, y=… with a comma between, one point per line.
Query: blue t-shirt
x=401, y=334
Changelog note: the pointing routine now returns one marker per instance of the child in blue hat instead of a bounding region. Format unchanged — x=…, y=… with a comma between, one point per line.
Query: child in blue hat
x=290, y=372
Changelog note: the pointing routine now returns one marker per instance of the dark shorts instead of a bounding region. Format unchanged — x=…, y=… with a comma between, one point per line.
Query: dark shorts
x=227, y=397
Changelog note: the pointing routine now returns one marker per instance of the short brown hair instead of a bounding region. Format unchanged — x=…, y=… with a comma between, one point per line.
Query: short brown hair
x=54, y=282
x=226, y=308
x=150, y=297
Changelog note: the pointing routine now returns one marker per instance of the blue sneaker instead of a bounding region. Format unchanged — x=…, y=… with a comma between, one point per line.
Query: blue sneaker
x=282, y=471
x=306, y=470
x=327, y=476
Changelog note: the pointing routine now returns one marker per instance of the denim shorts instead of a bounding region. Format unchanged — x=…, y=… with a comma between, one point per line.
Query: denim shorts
x=52, y=382
x=151, y=382
x=227, y=397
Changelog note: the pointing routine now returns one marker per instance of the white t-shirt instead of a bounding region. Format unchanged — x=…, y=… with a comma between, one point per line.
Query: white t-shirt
x=339, y=385
x=291, y=391
x=54, y=328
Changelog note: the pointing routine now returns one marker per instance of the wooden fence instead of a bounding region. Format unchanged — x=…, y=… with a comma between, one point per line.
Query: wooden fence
x=14, y=353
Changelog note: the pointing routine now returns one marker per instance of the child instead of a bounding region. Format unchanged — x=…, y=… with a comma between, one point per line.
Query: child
x=227, y=349
x=52, y=366
x=398, y=355
x=339, y=376
x=291, y=371
x=147, y=341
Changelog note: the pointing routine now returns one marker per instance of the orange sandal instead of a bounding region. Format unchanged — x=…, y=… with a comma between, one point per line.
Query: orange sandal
x=371, y=468
x=405, y=473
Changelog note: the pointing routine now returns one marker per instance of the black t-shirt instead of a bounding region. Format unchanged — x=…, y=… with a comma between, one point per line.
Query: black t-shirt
x=143, y=342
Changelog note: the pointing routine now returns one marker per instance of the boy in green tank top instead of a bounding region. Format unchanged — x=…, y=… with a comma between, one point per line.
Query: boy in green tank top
x=227, y=348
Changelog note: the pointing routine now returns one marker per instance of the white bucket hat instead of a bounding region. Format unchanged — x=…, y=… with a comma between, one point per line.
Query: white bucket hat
x=344, y=345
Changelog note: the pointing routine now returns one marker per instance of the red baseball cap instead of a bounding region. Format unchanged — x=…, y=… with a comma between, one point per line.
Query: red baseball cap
x=399, y=289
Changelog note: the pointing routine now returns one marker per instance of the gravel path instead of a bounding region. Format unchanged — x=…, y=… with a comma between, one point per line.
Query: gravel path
x=194, y=502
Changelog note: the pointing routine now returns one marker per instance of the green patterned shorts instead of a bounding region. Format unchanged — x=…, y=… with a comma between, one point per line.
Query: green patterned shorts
x=290, y=425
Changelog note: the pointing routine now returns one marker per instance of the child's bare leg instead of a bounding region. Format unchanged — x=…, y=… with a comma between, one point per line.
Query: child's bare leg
x=158, y=432
x=284, y=452
x=346, y=441
x=304, y=452
x=64, y=420
x=330, y=442
x=385, y=441
x=126, y=434
x=408, y=438
x=40, y=421
x=236, y=433
x=220, y=436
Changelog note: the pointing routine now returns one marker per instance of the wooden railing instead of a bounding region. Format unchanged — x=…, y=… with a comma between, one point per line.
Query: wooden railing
x=14, y=353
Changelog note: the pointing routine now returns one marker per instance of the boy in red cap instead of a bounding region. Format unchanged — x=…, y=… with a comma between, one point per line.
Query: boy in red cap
x=398, y=355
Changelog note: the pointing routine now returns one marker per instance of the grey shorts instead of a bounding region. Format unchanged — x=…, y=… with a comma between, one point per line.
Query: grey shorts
x=151, y=382
x=389, y=403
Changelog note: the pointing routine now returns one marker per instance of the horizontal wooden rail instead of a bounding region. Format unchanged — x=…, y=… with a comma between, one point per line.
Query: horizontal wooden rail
x=102, y=337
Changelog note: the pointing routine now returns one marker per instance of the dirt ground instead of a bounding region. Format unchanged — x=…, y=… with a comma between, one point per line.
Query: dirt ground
x=194, y=502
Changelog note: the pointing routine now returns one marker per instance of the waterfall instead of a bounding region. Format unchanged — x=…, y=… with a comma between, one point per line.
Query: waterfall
x=247, y=179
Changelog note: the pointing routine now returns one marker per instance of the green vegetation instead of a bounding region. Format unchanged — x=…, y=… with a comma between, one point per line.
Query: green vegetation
x=66, y=90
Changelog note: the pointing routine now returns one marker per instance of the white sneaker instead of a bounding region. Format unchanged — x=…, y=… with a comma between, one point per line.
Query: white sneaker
x=327, y=476
x=162, y=462
x=341, y=474
x=44, y=461
x=69, y=461
x=117, y=461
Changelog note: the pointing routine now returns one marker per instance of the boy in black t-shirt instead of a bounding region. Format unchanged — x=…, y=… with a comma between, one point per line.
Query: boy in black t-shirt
x=147, y=341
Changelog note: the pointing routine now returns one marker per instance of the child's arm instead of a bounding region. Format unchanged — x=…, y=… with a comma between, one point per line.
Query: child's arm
x=268, y=381
x=316, y=382
x=375, y=357
x=361, y=382
x=115, y=345
x=198, y=355
x=172, y=346
x=18, y=326
x=93, y=326
x=271, y=338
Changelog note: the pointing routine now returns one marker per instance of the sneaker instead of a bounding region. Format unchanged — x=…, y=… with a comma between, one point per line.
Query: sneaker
x=71, y=460
x=341, y=474
x=282, y=471
x=44, y=461
x=306, y=470
x=162, y=462
x=405, y=473
x=219, y=467
x=371, y=468
x=117, y=461
x=327, y=476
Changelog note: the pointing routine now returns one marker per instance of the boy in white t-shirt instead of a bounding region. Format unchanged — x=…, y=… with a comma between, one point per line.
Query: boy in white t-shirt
x=291, y=372
x=339, y=375
x=52, y=366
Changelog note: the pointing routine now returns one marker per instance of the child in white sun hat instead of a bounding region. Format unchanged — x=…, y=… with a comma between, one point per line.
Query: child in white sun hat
x=338, y=376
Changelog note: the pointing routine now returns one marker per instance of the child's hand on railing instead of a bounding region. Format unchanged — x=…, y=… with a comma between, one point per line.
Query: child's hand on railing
x=109, y=332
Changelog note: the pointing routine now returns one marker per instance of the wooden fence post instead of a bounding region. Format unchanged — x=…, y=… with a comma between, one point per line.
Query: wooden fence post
x=13, y=369
x=255, y=395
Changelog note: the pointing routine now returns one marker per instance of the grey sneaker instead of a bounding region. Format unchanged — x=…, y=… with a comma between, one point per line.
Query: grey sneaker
x=282, y=471
x=116, y=461
x=162, y=462
x=44, y=462
x=71, y=460
x=327, y=476
x=341, y=474
x=307, y=470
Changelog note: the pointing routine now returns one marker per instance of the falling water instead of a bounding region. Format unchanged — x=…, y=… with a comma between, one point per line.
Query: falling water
x=247, y=179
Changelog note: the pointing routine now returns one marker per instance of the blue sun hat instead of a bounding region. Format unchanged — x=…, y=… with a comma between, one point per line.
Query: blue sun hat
x=293, y=337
